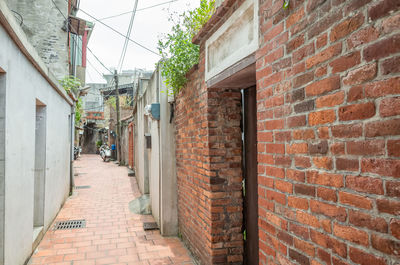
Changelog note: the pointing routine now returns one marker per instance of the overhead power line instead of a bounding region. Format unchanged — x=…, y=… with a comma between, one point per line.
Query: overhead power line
x=119, y=33
x=79, y=38
x=141, y=9
x=128, y=35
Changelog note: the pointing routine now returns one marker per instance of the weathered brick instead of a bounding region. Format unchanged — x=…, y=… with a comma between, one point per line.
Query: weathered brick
x=393, y=147
x=384, y=167
x=303, y=134
x=321, y=117
x=324, y=55
x=318, y=148
x=388, y=206
x=345, y=62
x=347, y=164
x=361, y=74
x=323, y=86
x=355, y=200
x=303, y=52
x=391, y=65
x=346, y=27
x=355, y=93
x=395, y=228
x=297, y=148
x=357, y=111
x=382, y=8
x=327, y=194
x=323, y=24
x=298, y=203
x=297, y=256
x=304, y=190
x=382, y=128
x=347, y=131
x=297, y=95
x=361, y=219
x=385, y=245
x=321, y=41
x=383, y=88
x=362, y=36
x=382, y=48
x=303, y=79
x=325, y=179
x=330, y=100
x=330, y=210
x=365, y=184
x=351, y=234
x=295, y=17
x=361, y=257
x=368, y=147
x=324, y=162
x=390, y=107
x=304, y=106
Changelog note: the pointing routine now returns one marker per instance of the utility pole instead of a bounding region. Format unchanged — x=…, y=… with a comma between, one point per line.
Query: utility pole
x=118, y=119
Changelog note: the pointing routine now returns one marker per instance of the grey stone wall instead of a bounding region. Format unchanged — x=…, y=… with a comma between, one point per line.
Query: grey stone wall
x=43, y=23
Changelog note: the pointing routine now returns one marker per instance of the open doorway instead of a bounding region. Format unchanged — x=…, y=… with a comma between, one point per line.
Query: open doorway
x=250, y=183
x=40, y=169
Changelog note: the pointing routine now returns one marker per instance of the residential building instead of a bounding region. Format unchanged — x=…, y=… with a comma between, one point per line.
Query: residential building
x=36, y=128
x=153, y=131
x=287, y=135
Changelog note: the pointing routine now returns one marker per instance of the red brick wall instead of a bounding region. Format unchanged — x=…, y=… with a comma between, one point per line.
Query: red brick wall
x=328, y=92
x=208, y=148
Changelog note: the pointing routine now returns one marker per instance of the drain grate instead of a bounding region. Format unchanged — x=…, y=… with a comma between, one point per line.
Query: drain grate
x=82, y=187
x=150, y=226
x=71, y=224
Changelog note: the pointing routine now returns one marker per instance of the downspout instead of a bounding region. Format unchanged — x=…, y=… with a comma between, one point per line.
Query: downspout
x=71, y=177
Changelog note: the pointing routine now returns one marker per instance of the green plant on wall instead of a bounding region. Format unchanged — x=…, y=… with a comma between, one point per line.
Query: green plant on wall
x=71, y=84
x=178, y=52
x=78, y=111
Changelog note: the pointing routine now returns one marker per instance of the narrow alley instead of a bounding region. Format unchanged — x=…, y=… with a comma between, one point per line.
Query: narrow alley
x=113, y=235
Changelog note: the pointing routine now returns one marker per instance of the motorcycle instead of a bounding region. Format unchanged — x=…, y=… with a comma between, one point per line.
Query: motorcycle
x=105, y=153
x=77, y=150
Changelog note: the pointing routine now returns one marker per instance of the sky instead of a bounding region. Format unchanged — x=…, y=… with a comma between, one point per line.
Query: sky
x=149, y=25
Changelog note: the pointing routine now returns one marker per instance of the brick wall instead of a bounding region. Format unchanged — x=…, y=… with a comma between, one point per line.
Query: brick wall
x=329, y=132
x=208, y=149
x=328, y=87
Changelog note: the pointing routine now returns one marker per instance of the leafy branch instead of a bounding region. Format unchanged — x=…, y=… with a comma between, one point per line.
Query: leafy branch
x=178, y=52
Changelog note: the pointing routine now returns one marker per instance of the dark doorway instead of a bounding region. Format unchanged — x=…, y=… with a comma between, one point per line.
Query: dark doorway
x=250, y=185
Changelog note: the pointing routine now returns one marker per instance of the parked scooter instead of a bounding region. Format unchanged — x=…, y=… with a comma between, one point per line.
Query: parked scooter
x=105, y=152
x=77, y=151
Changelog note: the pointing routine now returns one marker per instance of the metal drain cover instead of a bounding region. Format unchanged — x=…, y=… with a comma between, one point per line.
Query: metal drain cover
x=150, y=226
x=82, y=187
x=70, y=224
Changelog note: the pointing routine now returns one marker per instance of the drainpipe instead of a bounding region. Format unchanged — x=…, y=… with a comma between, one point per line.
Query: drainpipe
x=71, y=177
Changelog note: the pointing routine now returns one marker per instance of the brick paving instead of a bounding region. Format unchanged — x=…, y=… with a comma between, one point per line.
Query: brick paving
x=113, y=235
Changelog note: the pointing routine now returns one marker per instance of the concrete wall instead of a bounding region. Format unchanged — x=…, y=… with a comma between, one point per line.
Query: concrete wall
x=24, y=85
x=155, y=166
x=42, y=24
x=2, y=158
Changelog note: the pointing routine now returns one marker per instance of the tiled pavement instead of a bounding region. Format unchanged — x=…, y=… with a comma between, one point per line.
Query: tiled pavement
x=113, y=235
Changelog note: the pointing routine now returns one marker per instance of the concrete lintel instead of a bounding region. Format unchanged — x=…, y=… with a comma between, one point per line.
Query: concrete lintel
x=240, y=75
x=7, y=20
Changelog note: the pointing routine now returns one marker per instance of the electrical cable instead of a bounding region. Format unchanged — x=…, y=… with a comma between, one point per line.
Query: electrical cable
x=128, y=35
x=141, y=9
x=78, y=36
x=119, y=33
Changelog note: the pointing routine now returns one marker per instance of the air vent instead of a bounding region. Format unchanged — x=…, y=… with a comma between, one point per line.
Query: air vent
x=82, y=187
x=150, y=226
x=70, y=224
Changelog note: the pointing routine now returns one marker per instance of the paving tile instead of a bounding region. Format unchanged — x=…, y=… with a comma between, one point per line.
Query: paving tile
x=113, y=235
